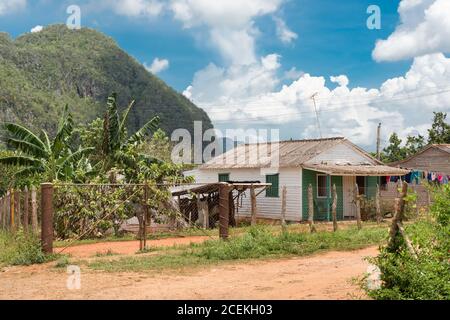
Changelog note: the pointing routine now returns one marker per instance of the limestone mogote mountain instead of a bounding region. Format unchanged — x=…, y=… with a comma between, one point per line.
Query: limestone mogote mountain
x=41, y=72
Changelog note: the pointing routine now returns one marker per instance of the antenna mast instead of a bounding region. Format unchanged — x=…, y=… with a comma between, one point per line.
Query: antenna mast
x=313, y=97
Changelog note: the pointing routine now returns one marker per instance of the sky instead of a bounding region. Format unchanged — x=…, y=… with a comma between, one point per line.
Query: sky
x=255, y=64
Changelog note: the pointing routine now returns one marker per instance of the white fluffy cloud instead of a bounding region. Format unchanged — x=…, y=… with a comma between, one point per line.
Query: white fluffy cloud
x=341, y=80
x=37, y=29
x=250, y=96
x=157, y=65
x=424, y=29
x=9, y=6
x=230, y=24
x=283, y=32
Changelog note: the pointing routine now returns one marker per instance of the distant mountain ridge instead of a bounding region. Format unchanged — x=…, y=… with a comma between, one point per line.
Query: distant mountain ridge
x=41, y=72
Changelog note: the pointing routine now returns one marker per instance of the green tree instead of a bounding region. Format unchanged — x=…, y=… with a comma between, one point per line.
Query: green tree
x=159, y=146
x=394, y=151
x=414, y=144
x=53, y=159
x=440, y=130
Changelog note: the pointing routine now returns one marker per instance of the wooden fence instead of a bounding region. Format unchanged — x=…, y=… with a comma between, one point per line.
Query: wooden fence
x=19, y=209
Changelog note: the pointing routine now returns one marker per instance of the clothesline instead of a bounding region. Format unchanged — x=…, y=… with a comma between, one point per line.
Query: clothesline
x=419, y=175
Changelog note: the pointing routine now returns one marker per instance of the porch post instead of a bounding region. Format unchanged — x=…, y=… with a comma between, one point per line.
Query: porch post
x=328, y=197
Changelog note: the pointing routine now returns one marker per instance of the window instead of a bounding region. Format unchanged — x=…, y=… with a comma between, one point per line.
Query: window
x=224, y=177
x=322, y=186
x=272, y=191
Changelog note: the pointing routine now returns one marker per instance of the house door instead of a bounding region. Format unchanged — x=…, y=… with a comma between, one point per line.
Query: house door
x=349, y=186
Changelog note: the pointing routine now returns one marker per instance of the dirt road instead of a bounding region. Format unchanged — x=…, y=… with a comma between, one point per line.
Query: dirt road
x=322, y=276
x=125, y=247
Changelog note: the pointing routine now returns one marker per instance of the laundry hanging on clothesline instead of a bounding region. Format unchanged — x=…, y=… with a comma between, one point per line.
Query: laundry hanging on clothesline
x=416, y=176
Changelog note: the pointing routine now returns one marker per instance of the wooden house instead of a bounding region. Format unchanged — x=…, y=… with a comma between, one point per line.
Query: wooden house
x=321, y=163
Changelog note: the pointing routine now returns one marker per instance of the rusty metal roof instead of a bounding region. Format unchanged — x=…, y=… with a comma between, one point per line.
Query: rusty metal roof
x=292, y=153
x=357, y=170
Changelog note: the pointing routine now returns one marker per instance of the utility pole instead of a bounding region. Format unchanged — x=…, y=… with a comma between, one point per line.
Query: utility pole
x=379, y=141
x=313, y=97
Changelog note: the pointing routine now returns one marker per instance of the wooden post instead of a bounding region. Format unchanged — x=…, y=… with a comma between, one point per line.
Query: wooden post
x=205, y=209
x=202, y=208
x=358, y=207
x=224, y=210
x=398, y=218
x=26, y=210
x=34, y=217
x=12, y=210
x=312, y=228
x=18, y=209
x=334, y=209
x=47, y=217
x=377, y=205
x=7, y=211
x=1, y=212
x=146, y=215
x=283, y=208
x=253, y=203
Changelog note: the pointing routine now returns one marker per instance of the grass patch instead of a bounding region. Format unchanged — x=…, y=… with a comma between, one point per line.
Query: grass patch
x=62, y=262
x=257, y=243
x=108, y=253
x=21, y=249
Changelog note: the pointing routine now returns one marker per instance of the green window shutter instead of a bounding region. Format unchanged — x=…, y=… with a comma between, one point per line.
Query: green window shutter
x=273, y=191
x=224, y=177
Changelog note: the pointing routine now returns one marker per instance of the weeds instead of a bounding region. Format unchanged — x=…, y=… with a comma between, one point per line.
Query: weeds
x=21, y=249
x=260, y=242
x=426, y=277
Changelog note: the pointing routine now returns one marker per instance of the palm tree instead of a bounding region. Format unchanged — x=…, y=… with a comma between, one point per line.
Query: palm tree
x=37, y=154
x=117, y=148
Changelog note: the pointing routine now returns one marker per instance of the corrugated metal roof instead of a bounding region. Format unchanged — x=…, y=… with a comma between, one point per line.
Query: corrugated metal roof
x=442, y=147
x=360, y=170
x=292, y=153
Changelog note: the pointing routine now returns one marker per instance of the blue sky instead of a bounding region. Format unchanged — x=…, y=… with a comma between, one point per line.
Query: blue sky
x=335, y=35
x=203, y=44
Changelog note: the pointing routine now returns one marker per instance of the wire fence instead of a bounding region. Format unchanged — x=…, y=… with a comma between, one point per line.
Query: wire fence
x=95, y=211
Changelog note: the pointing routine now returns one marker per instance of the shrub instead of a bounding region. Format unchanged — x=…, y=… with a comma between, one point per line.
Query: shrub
x=427, y=277
x=21, y=249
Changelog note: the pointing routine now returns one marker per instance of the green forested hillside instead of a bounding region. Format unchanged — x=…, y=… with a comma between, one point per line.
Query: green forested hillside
x=41, y=72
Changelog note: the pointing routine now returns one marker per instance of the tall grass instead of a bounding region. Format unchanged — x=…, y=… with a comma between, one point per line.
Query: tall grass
x=20, y=249
x=259, y=242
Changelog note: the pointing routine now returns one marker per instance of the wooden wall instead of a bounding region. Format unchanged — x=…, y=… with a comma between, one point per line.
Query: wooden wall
x=432, y=159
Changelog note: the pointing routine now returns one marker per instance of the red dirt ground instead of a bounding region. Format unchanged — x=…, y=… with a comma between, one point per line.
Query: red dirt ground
x=322, y=276
x=125, y=247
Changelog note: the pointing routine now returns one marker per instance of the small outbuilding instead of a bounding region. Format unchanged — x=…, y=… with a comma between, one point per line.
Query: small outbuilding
x=433, y=158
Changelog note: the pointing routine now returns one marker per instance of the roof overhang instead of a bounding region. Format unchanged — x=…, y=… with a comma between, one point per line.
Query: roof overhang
x=357, y=170
x=214, y=187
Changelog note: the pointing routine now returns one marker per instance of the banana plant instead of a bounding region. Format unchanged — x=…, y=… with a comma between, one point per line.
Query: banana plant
x=38, y=154
x=119, y=149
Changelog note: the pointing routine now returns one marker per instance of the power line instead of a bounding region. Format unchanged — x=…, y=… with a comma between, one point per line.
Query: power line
x=359, y=101
x=342, y=106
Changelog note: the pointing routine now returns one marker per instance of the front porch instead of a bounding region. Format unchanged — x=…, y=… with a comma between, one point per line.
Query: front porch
x=345, y=178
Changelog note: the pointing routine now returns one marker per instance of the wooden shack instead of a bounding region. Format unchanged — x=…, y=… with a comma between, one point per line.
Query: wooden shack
x=435, y=157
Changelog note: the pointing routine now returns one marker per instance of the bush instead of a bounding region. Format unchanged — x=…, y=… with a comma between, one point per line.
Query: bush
x=20, y=249
x=427, y=277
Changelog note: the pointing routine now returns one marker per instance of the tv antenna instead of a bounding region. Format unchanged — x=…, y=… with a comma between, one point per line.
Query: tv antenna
x=313, y=98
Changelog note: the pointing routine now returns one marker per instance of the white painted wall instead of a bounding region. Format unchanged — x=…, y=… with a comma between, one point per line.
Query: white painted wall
x=341, y=153
x=267, y=207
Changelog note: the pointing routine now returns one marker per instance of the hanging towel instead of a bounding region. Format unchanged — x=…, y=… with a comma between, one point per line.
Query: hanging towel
x=415, y=176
